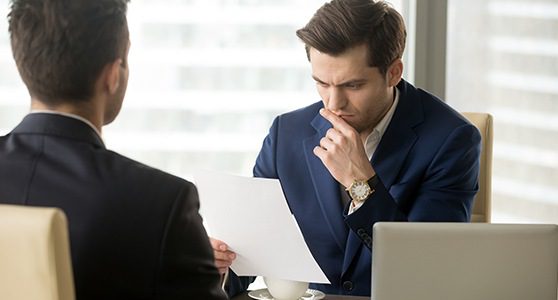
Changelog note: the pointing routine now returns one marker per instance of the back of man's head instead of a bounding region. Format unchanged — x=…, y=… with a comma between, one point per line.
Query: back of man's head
x=342, y=24
x=61, y=46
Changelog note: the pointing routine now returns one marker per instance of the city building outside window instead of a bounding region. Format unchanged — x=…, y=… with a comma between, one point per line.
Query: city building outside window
x=503, y=59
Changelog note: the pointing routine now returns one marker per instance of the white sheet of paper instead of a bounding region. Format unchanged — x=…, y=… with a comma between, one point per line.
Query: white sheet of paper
x=251, y=215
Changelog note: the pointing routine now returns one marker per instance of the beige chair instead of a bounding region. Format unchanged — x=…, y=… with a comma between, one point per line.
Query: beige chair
x=35, y=261
x=483, y=199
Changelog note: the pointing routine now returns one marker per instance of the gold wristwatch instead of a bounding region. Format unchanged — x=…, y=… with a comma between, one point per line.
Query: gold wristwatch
x=360, y=190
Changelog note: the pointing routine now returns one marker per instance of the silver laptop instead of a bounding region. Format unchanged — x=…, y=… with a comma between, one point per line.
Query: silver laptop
x=464, y=261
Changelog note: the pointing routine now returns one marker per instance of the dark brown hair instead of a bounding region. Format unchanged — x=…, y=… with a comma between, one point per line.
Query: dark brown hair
x=61, y=46
x=342, y=24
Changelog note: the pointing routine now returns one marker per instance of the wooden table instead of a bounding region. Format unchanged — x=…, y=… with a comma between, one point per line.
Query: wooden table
x=244, y=296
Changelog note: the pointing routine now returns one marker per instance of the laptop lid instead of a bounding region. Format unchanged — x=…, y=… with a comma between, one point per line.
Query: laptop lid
x=464, y=261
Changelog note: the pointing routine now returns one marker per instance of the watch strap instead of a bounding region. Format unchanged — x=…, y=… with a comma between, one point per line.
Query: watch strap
x=373, y=181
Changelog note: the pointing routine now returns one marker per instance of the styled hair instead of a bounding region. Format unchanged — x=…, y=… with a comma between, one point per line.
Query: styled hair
x=61, y=46
x=342, y=24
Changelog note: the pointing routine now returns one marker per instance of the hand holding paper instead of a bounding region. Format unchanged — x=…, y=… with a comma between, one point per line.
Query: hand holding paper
x=251, y=215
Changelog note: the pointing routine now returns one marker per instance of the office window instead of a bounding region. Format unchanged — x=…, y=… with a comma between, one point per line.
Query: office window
x=207, y=77
x=503, y=59
x=14, y=99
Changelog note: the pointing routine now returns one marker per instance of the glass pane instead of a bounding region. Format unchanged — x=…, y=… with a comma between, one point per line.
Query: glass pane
x=206, y=80
x=207, y=77
x=503, y=59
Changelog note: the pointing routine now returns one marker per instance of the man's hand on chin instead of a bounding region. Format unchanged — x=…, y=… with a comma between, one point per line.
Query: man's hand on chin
x=342, y=152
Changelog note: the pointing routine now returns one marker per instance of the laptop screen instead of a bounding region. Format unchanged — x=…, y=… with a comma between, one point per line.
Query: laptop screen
x=464, y=261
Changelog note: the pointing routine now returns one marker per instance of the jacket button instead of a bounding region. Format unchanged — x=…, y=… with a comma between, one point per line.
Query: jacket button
x=348, y=286
x=361, y=233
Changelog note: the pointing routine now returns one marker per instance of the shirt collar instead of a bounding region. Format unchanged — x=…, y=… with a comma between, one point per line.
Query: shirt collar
x=373, y=139
x=69, y=115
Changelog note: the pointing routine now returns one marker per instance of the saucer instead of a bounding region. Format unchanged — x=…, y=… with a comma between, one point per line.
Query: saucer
x=263, y=294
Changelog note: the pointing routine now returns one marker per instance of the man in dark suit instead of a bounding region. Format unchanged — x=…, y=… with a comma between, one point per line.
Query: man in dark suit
x=135, y=231
x=374, y=149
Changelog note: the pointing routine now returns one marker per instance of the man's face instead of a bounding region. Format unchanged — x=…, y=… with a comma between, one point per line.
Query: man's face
x=352, y=89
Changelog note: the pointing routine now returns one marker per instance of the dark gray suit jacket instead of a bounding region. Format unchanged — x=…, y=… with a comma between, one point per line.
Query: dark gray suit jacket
x=135, y=232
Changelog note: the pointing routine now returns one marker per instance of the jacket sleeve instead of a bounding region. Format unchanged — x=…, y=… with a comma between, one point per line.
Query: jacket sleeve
x=187, y=264
x=237, y=284
x=445, y=193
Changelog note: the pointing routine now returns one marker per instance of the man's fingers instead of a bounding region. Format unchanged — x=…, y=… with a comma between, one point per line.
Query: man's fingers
x=223, y=264
x=320, y=152
x=218, y=245
x=224, y=255
x=337, y=122
x=334, y=135
x=327, y=144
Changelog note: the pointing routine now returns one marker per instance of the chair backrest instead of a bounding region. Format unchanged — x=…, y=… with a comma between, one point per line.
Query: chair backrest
x=483, y=199
x=35, y=258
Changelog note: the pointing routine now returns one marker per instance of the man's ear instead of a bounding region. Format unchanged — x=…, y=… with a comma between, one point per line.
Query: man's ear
x=112, y=81
x=395, y=72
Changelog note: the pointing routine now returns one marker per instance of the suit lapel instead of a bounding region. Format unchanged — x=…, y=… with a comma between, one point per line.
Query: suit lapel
x=325, y=186
x=399, y=137
x=391, y=152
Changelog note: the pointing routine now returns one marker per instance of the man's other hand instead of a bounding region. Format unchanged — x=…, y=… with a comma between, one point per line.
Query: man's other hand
x=223, y=256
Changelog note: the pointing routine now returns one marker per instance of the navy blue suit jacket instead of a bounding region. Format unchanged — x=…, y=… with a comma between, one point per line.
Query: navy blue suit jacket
x=135, y=232
x=427, y=163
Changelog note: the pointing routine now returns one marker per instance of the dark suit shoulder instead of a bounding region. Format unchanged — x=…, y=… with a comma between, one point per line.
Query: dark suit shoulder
x=443, y=120
x=434, y=106
x=147, y=189
x=139, y=171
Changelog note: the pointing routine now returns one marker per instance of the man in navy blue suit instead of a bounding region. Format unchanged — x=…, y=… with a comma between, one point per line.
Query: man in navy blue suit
x=135, y=232
x=374, y=149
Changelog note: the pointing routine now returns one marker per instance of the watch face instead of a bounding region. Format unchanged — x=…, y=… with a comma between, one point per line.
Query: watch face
x=359, y=190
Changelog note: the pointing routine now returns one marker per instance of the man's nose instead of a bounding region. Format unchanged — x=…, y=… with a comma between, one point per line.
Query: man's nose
x=336, y=99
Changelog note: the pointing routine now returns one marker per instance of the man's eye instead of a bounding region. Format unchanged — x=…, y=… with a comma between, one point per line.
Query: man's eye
x=353, y=86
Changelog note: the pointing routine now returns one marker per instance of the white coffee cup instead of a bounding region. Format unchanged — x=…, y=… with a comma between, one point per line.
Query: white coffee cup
x=281, y=289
